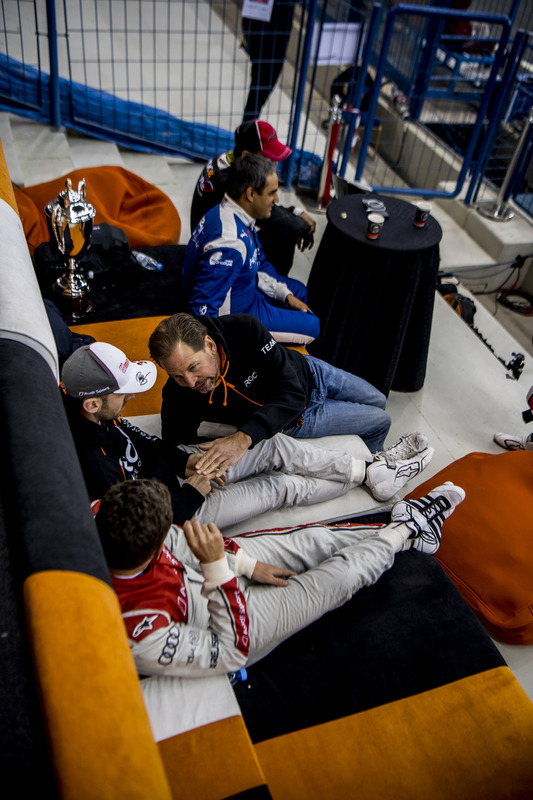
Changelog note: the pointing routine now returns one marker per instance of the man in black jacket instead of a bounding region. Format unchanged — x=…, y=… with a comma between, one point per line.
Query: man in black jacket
x=98, y=380
x=229, y=370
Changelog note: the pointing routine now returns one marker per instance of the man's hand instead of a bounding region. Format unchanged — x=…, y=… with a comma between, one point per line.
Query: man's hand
x=310, y=221
x=306, y=241
x=201, y=483
x=190, y=470
x=222, y=453
x=268, y=573
x=297, y=305
x=205, y=541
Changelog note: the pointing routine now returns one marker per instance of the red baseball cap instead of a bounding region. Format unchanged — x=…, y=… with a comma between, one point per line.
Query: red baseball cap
x=258, y=136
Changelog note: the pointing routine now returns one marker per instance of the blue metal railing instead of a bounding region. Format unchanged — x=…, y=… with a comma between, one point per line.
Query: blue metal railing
x=300, y=92
x=497, y=111
x=355, y=97
x=436, y=14
x=55, y=102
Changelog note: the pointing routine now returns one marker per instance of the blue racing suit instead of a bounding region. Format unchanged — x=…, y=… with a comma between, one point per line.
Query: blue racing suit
x=225, y=272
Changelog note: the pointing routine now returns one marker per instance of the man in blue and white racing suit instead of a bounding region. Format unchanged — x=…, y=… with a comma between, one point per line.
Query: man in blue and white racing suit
x=225, y=270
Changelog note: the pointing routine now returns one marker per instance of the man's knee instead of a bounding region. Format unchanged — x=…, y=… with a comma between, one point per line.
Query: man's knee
x=312, y=324
x=378, y=420
x=291, y=325
x=380, y=400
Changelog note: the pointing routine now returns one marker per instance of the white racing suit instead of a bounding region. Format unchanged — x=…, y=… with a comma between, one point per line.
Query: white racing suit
x=279, y=472
x=188, y=620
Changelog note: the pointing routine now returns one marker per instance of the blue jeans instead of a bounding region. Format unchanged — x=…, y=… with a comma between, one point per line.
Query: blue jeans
x=342, y=403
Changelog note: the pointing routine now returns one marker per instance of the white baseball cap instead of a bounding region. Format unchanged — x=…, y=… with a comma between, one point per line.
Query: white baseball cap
x=100, y=368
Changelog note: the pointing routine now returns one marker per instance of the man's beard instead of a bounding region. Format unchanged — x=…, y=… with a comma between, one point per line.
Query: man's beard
x=207, y=384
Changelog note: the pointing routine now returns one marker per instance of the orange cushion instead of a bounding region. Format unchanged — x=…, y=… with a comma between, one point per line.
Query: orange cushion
x=101, y=742
x=6, y=187
x=299, y=347
x=468, y=739
x=197, y=764
x=145, y=214
x=487, y=543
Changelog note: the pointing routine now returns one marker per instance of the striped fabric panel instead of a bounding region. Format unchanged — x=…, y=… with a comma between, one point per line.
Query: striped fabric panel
x=100, y=737
x=6, y=187
x=214, y=762
x=469, y=739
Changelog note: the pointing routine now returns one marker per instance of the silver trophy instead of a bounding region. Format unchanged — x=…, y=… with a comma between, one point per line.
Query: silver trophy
x=70, y=221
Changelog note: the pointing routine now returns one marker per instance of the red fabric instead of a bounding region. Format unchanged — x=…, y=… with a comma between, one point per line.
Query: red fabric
x=121, y=198
x=487, y=543
x=159, y=594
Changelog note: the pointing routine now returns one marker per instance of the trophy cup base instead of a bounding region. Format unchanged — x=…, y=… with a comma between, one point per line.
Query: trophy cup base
x=73, y=307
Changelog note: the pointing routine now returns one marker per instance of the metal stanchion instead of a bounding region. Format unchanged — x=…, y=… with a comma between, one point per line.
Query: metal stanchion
x=348, y=139
x=497, y=209
x=334, y=123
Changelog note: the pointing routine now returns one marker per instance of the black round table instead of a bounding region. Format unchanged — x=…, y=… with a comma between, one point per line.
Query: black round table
x=374, y=298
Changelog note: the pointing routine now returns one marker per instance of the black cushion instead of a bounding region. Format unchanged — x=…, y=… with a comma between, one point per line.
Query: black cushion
x=410, y=632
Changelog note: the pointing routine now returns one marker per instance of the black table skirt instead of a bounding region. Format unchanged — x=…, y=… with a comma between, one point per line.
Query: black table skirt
x=375, y=299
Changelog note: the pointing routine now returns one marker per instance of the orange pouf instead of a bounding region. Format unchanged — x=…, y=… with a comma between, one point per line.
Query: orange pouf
x=487, y=543
x=145, y=213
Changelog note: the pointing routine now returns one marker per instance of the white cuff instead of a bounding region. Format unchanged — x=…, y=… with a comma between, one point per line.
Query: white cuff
x=284, y=294
x=358, y=471
x=216, y=573
x=244, y=564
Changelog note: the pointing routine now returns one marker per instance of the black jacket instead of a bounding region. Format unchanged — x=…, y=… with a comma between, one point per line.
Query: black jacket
x=116, y=451
x=265, y=387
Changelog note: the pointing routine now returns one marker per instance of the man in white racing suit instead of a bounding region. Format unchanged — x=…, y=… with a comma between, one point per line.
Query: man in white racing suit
x=195, y=604
x=98, y=380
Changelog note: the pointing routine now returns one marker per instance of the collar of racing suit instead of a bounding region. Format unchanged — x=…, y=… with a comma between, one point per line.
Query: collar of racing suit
x=239, y=211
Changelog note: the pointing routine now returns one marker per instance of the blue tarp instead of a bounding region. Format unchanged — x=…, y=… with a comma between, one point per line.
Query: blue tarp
x=26, y=90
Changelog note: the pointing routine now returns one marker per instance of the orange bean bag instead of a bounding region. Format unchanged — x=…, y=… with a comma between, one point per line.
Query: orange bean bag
x=487, y=543
x=145, y=213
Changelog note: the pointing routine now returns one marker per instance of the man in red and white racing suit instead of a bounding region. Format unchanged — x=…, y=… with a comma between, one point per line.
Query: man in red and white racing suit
x=196, y=604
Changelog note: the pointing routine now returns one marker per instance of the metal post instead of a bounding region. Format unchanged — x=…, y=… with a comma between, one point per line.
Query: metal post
x=497, y=209
x=496, y=115
x=55, y=101
x=335, y=117
x=306, y=57
x=357, y=99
